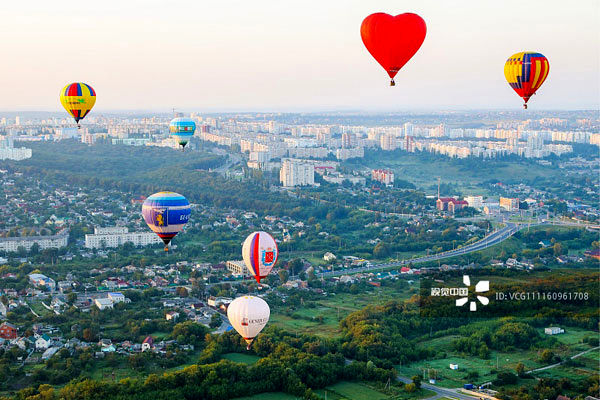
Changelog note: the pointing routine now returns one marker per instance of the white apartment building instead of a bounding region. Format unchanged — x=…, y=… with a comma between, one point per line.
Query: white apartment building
x=345, y=154
x=237, y=267
x=117, y=236
x=9, y=152
x=12, y=244
x=475, y=201
x=296, y=173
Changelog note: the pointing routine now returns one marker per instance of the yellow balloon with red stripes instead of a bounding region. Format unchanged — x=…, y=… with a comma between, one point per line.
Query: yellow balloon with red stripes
x=78, y=99
x=525, y=73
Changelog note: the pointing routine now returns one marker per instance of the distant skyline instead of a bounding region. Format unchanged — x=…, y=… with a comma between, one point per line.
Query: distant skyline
x=291, y=56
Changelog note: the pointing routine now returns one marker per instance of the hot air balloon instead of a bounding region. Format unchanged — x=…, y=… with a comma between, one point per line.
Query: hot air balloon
x=78, y=99
x=393, y=40
x=248, y=315
x=166, y=213
x=182, y=129
x=260, y=254
x=525, y=73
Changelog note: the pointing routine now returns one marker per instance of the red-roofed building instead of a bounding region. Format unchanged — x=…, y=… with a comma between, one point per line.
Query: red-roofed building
x=139, y=200
x=450, y=204
x=8, y=331
x=148, y=343
x=456, y=205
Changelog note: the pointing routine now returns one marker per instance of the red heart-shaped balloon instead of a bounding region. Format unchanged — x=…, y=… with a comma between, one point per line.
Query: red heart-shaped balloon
x=392, y=41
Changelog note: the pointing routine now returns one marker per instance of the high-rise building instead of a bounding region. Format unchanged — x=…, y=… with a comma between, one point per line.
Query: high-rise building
x=475, y=201
x=348, y=140
x=296, y=173
x=388, y=141
x=509, y=204
x=383, y=175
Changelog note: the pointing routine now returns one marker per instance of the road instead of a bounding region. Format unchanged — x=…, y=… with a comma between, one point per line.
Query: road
x=557, y=364
x=488, y=241
x=439, y=391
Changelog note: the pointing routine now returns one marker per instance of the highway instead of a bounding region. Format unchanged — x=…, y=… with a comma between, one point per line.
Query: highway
x=488, y=241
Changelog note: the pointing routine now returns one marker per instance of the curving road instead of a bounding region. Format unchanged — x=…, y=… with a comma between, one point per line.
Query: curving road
x=488, y=241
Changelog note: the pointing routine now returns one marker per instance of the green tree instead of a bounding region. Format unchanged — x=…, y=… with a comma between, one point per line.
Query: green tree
x=417, y=381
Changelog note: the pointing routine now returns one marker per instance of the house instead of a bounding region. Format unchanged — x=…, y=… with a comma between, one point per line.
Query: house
x=329, y=256
x=103, y=304
x=50, y=352
x=43, y=342
x=109, y=349
x=172, y=316
x=148, y=343
x=8, y=331
x=454, y=366
x=553, y=330
x=3, y=310
x=41, y=280
x=545, y=243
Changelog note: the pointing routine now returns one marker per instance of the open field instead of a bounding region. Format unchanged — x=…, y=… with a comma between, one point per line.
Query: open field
x=270, y=396
x=356, y=391
x=241, y=358
x=333, y=309
x=362, y=391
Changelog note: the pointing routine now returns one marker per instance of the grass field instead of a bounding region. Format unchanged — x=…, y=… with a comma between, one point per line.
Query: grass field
x=270, y=396
x=333, y=309
x=356, y=391
x=241, y=358
x=362, y=391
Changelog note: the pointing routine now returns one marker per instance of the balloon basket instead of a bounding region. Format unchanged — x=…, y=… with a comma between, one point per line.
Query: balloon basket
x=392, y=83
x=525, y=106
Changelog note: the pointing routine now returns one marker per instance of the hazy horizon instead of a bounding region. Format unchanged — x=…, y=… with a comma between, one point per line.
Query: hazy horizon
x=291, y=57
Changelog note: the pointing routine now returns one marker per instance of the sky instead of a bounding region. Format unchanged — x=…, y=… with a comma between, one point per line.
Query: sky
x=258, y=55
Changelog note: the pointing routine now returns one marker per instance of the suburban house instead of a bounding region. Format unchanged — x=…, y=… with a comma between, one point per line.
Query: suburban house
x=148, y=343
x=43, y=342
x=553, y=330
x=8, y=331
x=172, y=316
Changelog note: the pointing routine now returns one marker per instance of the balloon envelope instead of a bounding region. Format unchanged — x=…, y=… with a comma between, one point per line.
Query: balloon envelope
x=78, y=99
x=182, y=129
x=393, y=40
x=260, y=254
x=525, y=73
x=248, y=315
x=166, y=213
